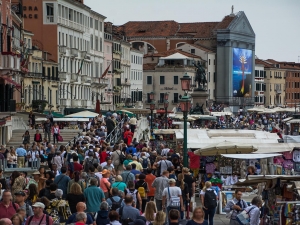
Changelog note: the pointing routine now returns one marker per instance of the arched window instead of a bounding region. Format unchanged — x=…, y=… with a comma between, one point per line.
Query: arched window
x=179, y=44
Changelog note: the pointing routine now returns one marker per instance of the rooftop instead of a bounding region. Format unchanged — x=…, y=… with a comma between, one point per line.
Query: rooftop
x=171, y=52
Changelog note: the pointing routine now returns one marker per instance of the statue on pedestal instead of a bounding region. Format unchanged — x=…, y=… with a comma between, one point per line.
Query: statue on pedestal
x=197, y=109
x=200, y=77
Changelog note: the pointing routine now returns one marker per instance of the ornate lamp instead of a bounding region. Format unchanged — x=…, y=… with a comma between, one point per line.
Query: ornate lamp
x=185, y=82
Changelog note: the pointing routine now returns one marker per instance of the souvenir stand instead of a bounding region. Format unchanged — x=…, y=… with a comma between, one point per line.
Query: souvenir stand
x=163, y=136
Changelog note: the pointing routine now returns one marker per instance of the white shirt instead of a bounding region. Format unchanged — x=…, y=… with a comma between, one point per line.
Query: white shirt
x=165, y=151
x=55, y=130
x=33, y=155
x=208, y=189
x=174, y=191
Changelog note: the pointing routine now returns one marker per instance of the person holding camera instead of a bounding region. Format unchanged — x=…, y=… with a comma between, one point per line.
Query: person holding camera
x=234, y=207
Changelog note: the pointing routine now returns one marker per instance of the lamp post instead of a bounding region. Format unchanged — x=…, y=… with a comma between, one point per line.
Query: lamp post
x=166, y=105
x=185, y=105
x=152, y=107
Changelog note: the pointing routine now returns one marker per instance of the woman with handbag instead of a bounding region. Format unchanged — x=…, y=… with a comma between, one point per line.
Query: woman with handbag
x=55, y=132
x=253, y=212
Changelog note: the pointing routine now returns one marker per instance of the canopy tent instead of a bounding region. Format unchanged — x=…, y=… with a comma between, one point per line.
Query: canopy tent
x=221, y=113
x=267, y=111
x=176, y=55
x=83, y=114
x=256, y=179
x=256, y=109
x=128, y=113
x=287, y=119
x=249, y=156
x=294, y=121
x=64, y=119
x=204, y=117
x=165, y=131
x=226, y=147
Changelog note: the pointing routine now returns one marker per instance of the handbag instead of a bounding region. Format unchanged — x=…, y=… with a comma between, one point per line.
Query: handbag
x=243, y=218
x=174, y=200
x=59, y=138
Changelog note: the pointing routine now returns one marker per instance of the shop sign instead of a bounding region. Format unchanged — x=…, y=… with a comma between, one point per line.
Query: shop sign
x=31, y=12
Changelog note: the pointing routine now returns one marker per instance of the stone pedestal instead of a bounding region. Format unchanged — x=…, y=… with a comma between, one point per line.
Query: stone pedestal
x=201, y=98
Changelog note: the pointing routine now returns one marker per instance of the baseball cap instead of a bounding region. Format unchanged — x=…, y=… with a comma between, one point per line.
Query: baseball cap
x=39, y=204
x=20, y=193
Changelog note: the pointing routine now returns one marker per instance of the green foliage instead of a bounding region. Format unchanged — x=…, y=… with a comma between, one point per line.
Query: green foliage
x=39, y=105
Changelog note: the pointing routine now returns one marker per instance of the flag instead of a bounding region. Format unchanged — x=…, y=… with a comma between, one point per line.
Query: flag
x=105, y=72
x=81, y=64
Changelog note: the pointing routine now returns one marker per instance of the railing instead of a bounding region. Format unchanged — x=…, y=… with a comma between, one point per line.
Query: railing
x=18, y=123
x=32, y=74
x=141, y=127
x=116, y=134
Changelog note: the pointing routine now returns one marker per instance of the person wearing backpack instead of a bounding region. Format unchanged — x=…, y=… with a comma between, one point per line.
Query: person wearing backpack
x=39, y=217
x=142, y=188
x=145, y=161
x=131, y=190
x=89, y=162
x=209, y=199
x=128, y=213
x=118, y=158
x=115, y=202
x=172, y=197
x=254, y=210
x=20, y=200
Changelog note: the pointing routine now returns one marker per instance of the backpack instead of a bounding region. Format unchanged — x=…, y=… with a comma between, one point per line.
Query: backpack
x=47, y=219
x=114, y=204
x=122, y=157
x=133, y=194
x=145, y=163
x=124, y=221
x=89, y=163
x=210, y=199
x=142, y=191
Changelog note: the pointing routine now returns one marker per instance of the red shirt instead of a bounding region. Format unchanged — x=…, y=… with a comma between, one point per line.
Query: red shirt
x=194, y=160
x=149, y=180
x=39, y=220
x=77, y=166
x=103, y=156
x=9, y=211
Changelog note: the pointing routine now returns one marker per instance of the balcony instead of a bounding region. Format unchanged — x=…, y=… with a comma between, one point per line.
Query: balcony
x=83, y=78
x=34, y=75
x=71, y=24
x=74, y=52
x=100, y=82
x=50, y=19
x=86, y=103
x=126, y=82
x=76, y=103
x=62, y=50
x=65, y=102
x=88, y=80
x=74, y=78
x=63, y=76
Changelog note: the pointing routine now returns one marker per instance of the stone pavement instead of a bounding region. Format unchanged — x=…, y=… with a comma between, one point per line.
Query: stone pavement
x=220, y=220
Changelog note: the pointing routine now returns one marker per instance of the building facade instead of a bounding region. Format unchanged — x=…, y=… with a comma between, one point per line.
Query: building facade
x=162, y=73
x=77, y=47
x=108, y=51
x=260, y=86
x=136, y=77
x=125, y=75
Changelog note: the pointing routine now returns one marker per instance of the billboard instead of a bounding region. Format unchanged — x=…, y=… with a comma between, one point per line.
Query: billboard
x=242, y=72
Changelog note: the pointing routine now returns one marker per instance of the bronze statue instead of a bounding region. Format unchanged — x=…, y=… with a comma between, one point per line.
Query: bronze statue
x=200, y=76
x=197, y=109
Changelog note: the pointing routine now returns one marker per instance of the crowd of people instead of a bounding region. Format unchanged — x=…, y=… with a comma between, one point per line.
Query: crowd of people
x=95, y=182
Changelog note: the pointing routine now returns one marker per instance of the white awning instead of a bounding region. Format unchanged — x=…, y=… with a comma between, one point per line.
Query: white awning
x=64, y=119
x=249, y=156
x=287, y=119
x=294, y=121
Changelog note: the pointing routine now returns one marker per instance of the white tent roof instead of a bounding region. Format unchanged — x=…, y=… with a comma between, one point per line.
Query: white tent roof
x=64, y=119
x=249, y=156
x=176, y=56
x=83, y=114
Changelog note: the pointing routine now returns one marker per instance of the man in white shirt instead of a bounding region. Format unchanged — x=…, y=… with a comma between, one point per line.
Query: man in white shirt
x=165, y=151
x=164, y=164
x=172, y=194
x=32, y=156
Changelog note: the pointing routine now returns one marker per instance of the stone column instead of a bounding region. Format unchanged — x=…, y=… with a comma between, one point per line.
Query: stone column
x=200, y=97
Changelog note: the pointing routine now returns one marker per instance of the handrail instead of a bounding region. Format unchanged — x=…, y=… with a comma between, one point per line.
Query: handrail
x=74, y=140
x=116, y=133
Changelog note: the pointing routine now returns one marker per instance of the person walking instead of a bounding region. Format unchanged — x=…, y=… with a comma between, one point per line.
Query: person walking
x=55, y=132
x=39, y=216
x=80, y=208
x=128, y=212
x=236, y=206
x=160, y=183
x=209, y=199
x=26, y=139
x=21, y=153
x=7, y=207
x=198, y=217
x=62, y=181
x=47, y=130
x=127, y=175
x=254, y=210
x=94, y=196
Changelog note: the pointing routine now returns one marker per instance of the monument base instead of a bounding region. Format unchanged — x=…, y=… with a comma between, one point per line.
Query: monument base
x=201, y=98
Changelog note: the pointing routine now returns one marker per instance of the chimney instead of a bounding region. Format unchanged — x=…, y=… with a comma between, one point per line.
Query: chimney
x=109, y=27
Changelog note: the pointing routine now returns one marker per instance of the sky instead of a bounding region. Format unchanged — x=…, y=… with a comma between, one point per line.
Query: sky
x=275, y=22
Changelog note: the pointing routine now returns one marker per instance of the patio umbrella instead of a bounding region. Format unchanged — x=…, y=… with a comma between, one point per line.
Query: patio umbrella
x=255, y=109
x=97, y=110
x=83, y=114
x=267, y=111
x=226, y=147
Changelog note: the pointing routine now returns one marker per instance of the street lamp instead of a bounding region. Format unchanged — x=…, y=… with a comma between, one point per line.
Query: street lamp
x=151, y=95
x=185, y=105
x=166, y=105
x=152, y=107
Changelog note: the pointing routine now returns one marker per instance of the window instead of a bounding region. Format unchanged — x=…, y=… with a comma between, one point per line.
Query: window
x=175, y=79
x=96, y=44
x=100, y=23
x=50, y=12
x=257, y=87
x=161, y=97
x=96, y=24
x=91, y=22
x=193, y=51
x=92, y=42
x=209, y=62
x=149, y=79
x=208, y=76
x=175, y=97
x=162, y=80
x=100, y=44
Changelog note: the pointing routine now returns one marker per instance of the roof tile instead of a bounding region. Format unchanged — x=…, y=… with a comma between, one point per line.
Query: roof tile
x=171, y=52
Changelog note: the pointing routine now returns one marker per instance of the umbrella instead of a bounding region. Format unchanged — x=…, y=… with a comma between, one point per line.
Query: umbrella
x=97, y=110
x=255, y=109
x=225, y=147
x=266, y=111
x=83, y=114
x=128, y=113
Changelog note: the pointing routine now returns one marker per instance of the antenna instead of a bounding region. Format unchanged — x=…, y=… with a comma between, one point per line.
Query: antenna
x=299, y=59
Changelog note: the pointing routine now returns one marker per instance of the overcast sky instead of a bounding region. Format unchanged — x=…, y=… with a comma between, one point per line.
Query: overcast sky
x=275, y=22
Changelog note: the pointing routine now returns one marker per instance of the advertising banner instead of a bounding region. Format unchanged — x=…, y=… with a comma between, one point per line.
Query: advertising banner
x=242, y=72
